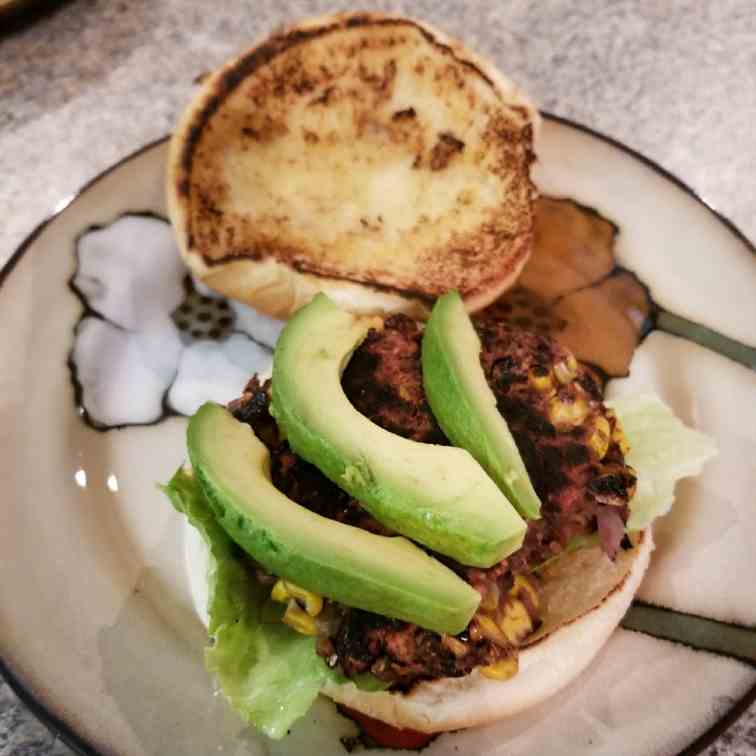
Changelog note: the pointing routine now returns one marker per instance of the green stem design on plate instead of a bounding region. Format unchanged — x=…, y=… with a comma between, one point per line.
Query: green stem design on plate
x=699, y=633
x=687, y=329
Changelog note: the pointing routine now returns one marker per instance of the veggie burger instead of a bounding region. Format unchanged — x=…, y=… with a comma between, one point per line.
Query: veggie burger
x=436, y=524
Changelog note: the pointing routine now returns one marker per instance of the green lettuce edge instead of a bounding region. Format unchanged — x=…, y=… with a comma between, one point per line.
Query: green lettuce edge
x=663, y=450
x=268, y=672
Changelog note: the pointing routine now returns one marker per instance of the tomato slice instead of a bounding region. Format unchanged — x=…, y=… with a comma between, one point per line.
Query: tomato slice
x=387, y=736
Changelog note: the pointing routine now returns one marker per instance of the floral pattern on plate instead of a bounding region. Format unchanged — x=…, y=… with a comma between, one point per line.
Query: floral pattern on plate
x=150, y=343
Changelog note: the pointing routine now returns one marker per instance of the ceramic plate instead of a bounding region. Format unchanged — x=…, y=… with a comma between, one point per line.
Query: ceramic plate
x=107, y=345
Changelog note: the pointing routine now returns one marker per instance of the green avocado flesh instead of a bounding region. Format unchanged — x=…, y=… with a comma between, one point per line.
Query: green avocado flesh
x=464, y=404
x=386, y=575
x=436, y=495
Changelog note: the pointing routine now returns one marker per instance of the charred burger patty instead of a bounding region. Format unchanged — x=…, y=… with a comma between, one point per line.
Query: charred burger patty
x=572, y=447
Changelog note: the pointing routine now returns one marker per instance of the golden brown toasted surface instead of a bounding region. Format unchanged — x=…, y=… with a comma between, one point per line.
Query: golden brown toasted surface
x=364, y=148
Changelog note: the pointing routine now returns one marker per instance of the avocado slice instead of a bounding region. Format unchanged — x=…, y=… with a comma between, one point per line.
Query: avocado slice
x=464, y=404
x=386, y=575
x=437, y=495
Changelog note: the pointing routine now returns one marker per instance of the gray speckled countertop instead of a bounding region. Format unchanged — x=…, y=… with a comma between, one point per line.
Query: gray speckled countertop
x=94, y=80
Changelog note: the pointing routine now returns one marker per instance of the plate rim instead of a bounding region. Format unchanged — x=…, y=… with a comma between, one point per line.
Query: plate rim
x=65, y=732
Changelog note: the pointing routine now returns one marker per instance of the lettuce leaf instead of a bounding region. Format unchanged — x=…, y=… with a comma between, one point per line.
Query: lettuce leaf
x=270, y=674
x=662, y=450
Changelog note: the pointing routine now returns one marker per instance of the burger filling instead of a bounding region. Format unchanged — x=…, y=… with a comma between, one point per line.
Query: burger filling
x=573, y=449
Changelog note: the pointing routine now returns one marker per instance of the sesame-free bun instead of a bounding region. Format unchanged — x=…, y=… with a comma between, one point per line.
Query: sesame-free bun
x=364, y=155
x=585, y=600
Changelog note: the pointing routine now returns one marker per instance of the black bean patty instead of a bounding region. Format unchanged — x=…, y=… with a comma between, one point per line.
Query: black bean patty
x=571, y=445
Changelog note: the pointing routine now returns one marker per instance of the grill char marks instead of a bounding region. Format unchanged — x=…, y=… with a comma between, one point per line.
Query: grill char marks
x=579, y=491
x=384, y=382
x=277, y=45
x=311, y=116
x=402, y=653
x=571, y=481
